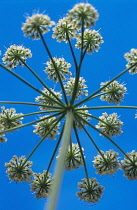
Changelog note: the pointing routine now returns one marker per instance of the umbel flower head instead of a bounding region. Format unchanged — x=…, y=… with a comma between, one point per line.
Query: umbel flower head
x=91, y=41
x=64, y=29
x=9, y=118
x=14, y=55
x=18, y=171
x=131, y=57
x=47, y=101
x=83, y=14
x=61, y=65
x=107, y=163
x=44, y=126
x=90, y=192
x=110, y=124
x=73, y=158
x=41, y=184
x=35, y=24
x=129, y=165
x=69, y=87
x=85, y=115
x=113, y=93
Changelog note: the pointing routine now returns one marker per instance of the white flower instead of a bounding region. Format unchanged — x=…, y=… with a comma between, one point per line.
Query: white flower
x=83, y=12
x=91, y=41
x=107, y=163
x=82, y=113
x=115, y=92
x=9, y=118
x=41, y=184
x=131, y=57
x=17, y=170
x=129, y=165
x=13, y=55
x=47, y=101
x=69, y=87
x=36, y=23
x=64, y=28
x=110, y=124
x=90, y=192
x=73, y=158
x=61, y=65
x=44, y=126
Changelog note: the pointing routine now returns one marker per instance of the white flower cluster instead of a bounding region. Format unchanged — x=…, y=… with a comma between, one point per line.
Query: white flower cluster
x=107, y=163
x=41, y=184
x=69, y=87
x=36, y=23
x=61, y=65
x=91, y=41
x=13, y=55
x=18, y=171
x=9, y=118
x=73, y=158
x=129, y=166
x=82, y=114
x=90, y=193
x=83, y=14
x=64, y=29
x=131, y=57
x=113, y=93
x=47, y=101
x=110, y=124
x=44, y=126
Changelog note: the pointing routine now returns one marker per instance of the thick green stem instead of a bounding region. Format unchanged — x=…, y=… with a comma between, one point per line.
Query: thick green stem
x=60, y=162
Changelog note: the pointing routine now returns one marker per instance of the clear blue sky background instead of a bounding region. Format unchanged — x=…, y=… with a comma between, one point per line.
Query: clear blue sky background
x=118, y=24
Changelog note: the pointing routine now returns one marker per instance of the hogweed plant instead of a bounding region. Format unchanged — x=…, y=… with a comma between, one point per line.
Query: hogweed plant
x=65, y=110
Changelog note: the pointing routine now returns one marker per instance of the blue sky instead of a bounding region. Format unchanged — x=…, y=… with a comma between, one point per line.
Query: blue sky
x=118, y=26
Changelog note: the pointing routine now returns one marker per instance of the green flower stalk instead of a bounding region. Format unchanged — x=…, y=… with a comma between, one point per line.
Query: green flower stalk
x=63, y=112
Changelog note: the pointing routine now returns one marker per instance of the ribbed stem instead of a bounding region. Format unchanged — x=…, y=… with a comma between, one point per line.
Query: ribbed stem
x=60, y=162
